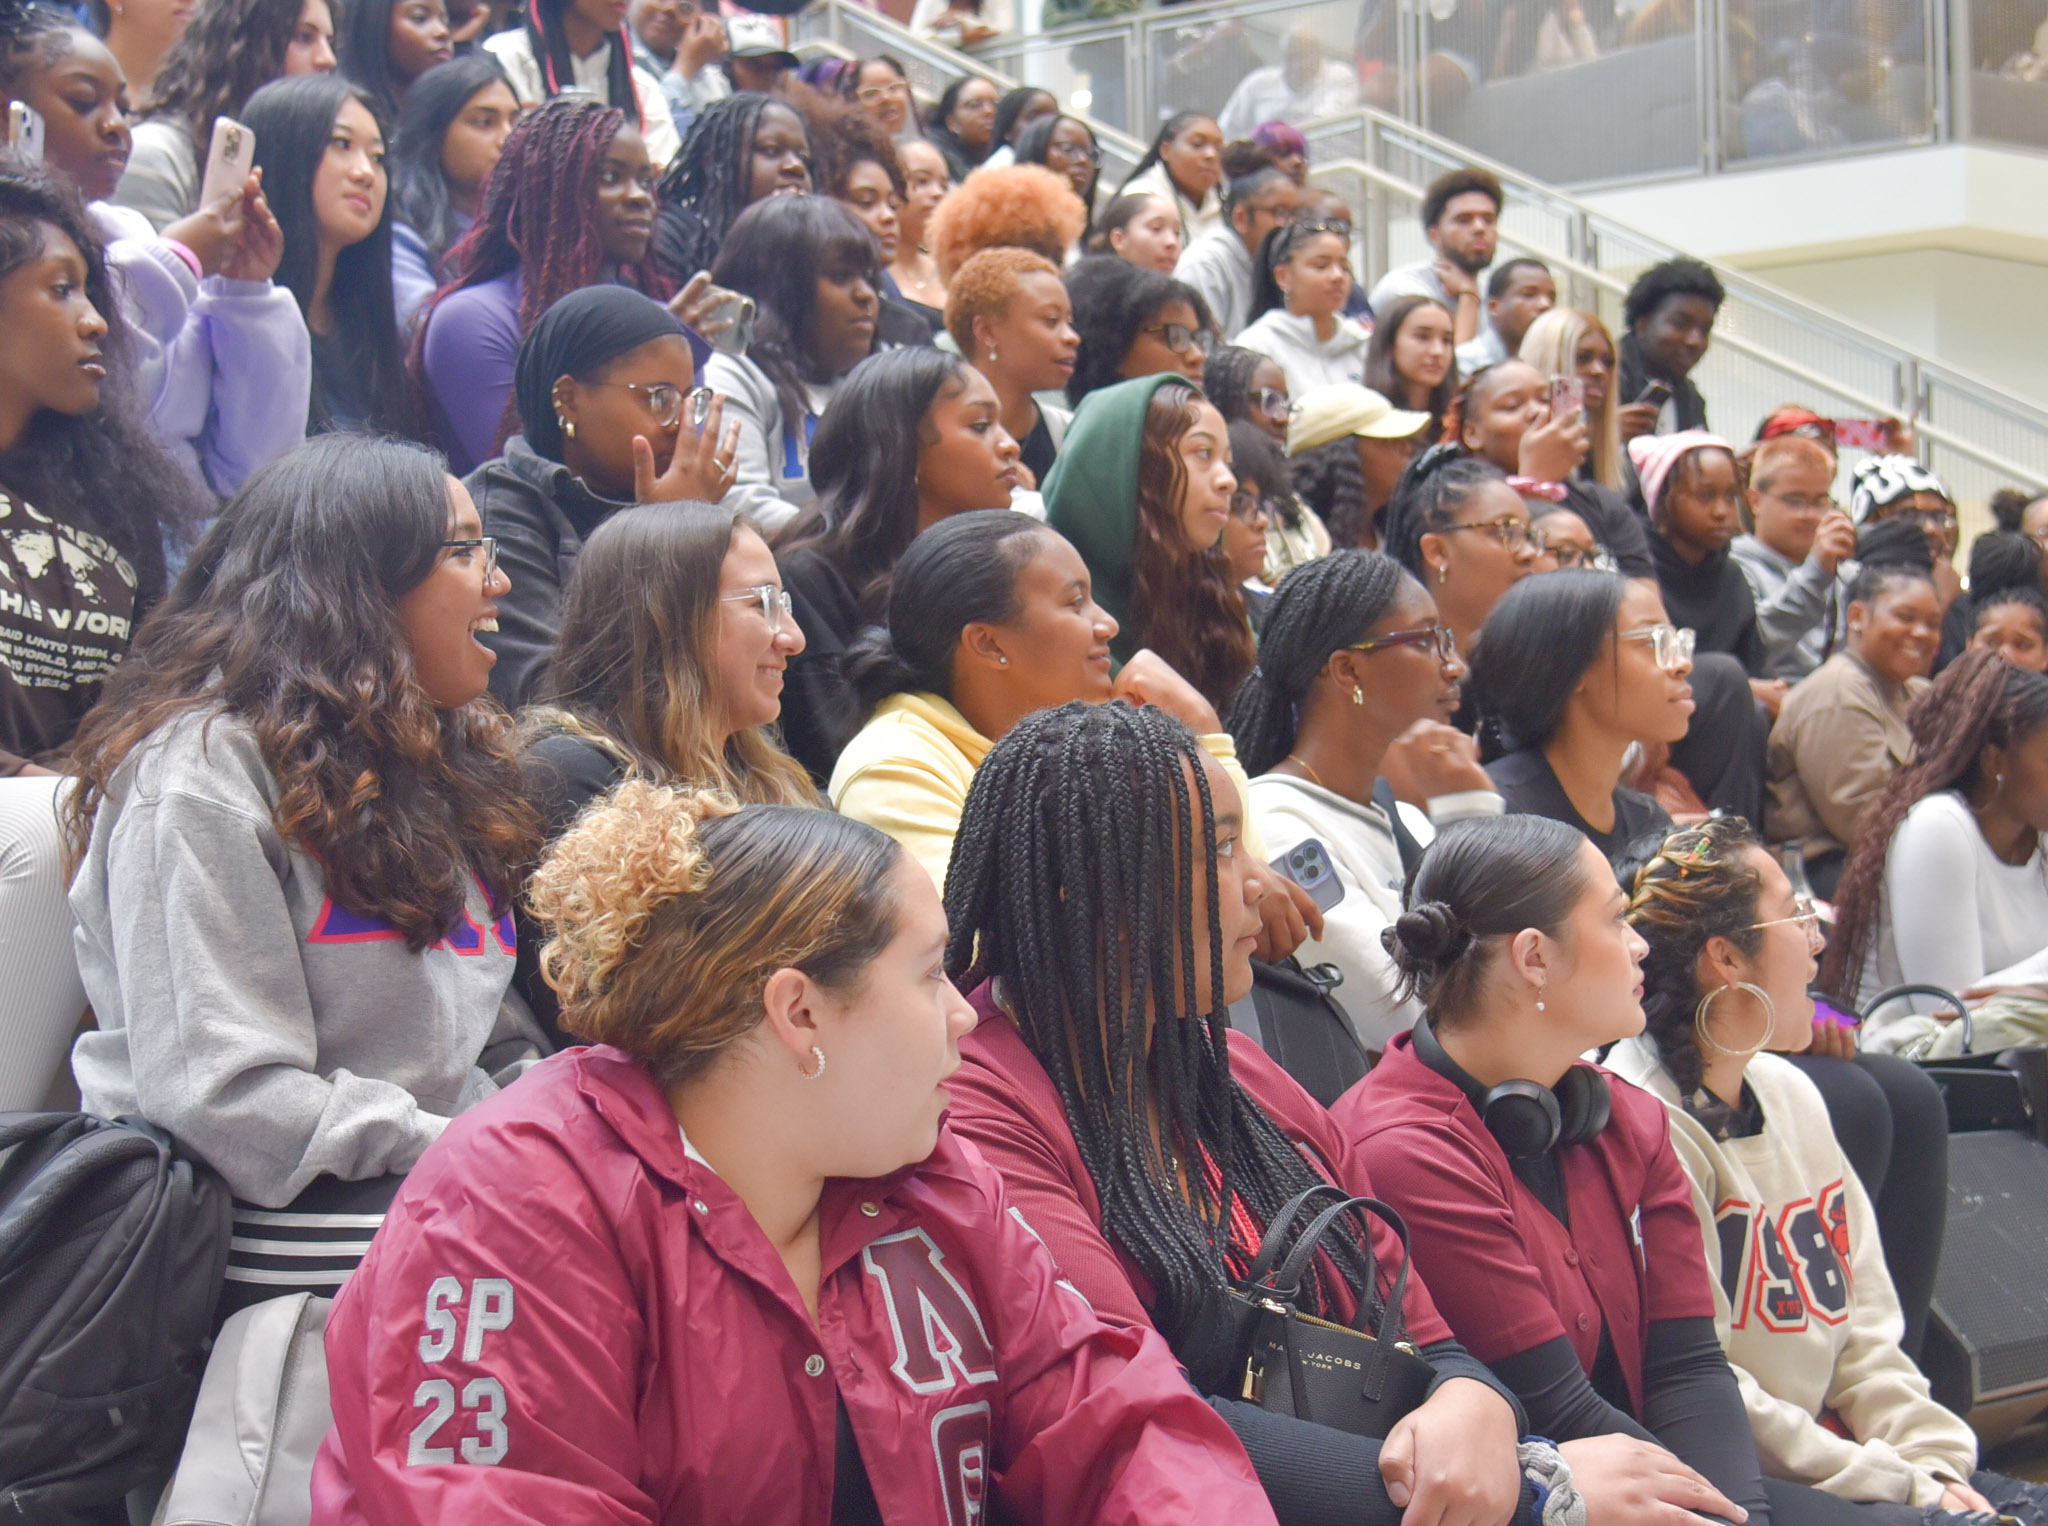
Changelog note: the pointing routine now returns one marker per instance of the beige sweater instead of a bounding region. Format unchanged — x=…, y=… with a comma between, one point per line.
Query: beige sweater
x=1840, y=735
x=1802, y=1301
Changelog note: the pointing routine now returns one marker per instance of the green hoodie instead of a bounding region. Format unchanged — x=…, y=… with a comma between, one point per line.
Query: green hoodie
x=1091, y=493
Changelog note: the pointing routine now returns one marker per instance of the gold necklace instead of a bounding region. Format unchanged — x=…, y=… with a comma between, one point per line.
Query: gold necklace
x=1314, y=777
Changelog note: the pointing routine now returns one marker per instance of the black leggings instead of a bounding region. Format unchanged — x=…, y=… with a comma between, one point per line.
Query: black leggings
x=1891, y=1124
x=308, y=1246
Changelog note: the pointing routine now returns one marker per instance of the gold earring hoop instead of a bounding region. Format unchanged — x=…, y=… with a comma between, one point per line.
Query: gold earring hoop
x=1708, y=1041
x=812, y=1075
x=568, y=428
x=1357, y=695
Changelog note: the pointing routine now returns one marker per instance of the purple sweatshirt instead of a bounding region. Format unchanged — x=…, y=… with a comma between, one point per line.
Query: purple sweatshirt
x=224, y=368
x=469, y=354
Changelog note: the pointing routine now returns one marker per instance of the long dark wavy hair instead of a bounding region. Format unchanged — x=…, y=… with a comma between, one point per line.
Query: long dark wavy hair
x=286, y=619
x=776, y=253
x=293, y=120
x=100, y=471
x=419, y=185
x=1694, y=888
x=864, y=467
x=1184, y=604
x=1073, y=884
x=232, y=49
x=1980, y=701
x=1380, y=374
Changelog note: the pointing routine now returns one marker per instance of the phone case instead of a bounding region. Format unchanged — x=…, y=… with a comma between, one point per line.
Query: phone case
x=1308, y=864
x=228, y=160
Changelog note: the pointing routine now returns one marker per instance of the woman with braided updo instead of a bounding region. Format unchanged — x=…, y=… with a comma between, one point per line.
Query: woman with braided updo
x=1833, y=1401
x=1946, y=885
x=1461, y=530
x=753, y=1152
x=1353, y=665
x=570, y=204
x=1545, y=1206
x=1102, y=919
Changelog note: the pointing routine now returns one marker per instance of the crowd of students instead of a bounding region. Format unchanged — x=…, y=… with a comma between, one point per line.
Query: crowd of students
x=683, y=701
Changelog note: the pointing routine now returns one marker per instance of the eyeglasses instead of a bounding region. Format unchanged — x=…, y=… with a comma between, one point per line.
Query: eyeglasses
x=668, y=402
x=874, y=95
x=488, y=544
x=1511, y=533
x=1806, y=916
x=1799, y=503
x=1271, y=402
x=1074, y=153
x=1179, y=338
x=1249, y=506
x=774, y=603
x=1670, y=645
x=1438, y=636
x=1581, y=558
x=1305, y=227
x=1939, y=520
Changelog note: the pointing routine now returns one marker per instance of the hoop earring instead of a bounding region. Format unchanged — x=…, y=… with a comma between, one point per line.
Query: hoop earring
x=568, y=427
x=1357, y=695
x=1707, y=1040
x=812, y=1075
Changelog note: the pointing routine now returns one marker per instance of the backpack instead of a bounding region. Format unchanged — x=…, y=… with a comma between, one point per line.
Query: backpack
x=113, y=1246
x=262, y=1414
x=1291, y=1014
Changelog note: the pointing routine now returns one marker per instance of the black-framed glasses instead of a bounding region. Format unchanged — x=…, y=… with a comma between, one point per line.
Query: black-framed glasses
x=1670, y=645
x=1247, y=506
x=1940, y=520
x=488, y=544
x=1510, y=532
x=1179, y=338
x=1439, y=637
x=775, y=604
x=670, y=403
x=1271, y=402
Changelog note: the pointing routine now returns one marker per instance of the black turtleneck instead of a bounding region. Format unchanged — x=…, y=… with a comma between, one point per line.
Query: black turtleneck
x=1713, y=598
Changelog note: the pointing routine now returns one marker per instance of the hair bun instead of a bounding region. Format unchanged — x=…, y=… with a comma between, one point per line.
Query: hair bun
x=1430, y=936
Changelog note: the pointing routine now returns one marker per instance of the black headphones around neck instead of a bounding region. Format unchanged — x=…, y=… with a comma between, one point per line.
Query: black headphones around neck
x=1526, y=1119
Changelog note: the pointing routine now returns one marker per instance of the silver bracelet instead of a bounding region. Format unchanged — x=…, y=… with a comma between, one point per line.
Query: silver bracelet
x=1545, y=1467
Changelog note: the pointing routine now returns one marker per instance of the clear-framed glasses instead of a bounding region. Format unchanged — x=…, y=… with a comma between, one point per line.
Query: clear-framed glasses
x=488, y=544
x=1510, y=532
x=1074, y=153
x=774, y=603
x=1806, y=915
x=1582, y=558
x=1271, y=402
x=1249, y=506
x=1939, y=521
x=1670, y=645
x=669, y=403
x=874, y=95
x=1800, y=503
x=1437, y=637
x=1179, y=338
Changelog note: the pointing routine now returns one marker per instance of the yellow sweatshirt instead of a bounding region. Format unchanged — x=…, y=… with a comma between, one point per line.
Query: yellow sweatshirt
x=908, y=769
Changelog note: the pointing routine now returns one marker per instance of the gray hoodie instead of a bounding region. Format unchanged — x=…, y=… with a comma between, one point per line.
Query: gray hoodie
x=278, y=1036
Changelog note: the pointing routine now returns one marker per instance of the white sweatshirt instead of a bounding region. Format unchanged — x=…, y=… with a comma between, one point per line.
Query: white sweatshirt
x=1802, y=1301
x=1289, y=340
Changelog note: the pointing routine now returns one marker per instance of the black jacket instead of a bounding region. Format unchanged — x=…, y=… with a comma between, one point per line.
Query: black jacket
x=1685, y=397
x=820, y=711
x=540, y=512
x=559, y=775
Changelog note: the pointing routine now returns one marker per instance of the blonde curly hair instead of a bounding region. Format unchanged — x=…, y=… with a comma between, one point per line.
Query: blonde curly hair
x=1024, y=206
x=671, y=908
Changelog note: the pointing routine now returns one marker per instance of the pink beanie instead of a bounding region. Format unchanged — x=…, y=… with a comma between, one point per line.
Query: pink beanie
x=1655, y=454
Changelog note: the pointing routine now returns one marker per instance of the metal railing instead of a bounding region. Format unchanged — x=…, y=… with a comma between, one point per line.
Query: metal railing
x=1768, y=347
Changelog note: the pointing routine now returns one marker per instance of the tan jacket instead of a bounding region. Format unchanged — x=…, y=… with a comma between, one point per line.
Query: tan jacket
x=1840, y=735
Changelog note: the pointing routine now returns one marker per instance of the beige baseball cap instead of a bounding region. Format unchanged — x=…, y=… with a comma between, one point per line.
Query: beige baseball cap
x=1327, y=413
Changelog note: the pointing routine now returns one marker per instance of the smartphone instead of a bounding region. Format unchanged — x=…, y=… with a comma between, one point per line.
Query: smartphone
x=1861, y=434
x=1308, y=864
x=25, y=131
x=229, y=159
x=1656, y=394
x=738, y=337
x=1567, y=396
